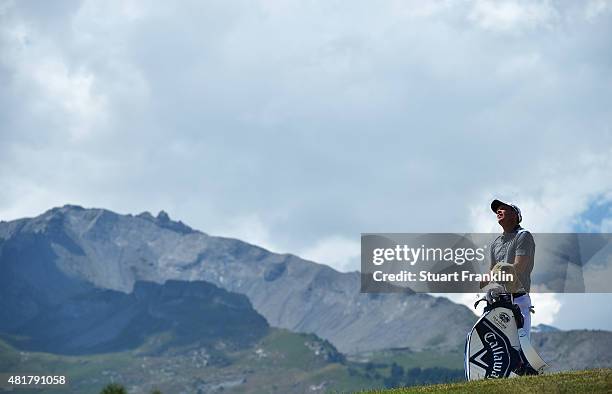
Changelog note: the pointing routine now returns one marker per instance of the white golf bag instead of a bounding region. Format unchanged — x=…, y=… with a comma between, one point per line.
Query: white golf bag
x=497, y=346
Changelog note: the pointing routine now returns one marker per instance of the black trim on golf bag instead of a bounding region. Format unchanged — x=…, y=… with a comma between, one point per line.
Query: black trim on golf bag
x=516, y=310
x=494, y=349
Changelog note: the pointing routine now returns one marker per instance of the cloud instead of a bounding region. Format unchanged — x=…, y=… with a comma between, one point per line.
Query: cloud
x=597, y=8
x=338, y=252
x=565, y=190
x=467, y=299
x=512, y=15
x=251, y=229
x=303, y=124
x=546, y=306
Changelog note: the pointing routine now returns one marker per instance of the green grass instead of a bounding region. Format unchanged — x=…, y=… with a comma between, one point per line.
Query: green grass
x=422, y=359
x=285, y=361
x=284, y=364
x=289, y=349
x=591, y=381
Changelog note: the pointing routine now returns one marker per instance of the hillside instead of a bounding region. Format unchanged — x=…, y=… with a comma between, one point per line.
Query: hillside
x=591, y=381
x=103, y=321
x=63, y=252
x=280, y=361
x=574, y=349
x=107, y=297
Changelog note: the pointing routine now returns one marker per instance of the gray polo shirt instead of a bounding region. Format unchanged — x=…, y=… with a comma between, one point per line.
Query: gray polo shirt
x=509, y=245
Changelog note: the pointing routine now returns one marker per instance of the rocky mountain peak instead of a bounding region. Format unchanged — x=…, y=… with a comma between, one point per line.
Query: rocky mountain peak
x=163, y=220
x=162, y=216
x=114, y=251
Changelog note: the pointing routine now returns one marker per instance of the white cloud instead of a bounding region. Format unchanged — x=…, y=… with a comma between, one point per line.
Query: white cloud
x=520, y=65
x=467, y=299
x=598, y=274
x=250, y=228
x=69, y=92
x=420, y=9
x=595, y=8
x=26, y=197
x=300, y=125
x=512, y=15
x=564, y=190
x=65, y=96
x=546, y=306
x=336, y=251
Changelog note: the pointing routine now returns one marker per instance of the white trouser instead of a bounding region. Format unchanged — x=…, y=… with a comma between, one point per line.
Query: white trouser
x=524, y=302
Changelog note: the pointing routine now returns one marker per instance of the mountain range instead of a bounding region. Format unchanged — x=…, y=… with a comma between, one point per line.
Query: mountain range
x=85, y=281
x=68, y=250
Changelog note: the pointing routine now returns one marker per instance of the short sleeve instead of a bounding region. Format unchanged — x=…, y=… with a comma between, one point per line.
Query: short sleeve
x=492, y=247
x=525, y=245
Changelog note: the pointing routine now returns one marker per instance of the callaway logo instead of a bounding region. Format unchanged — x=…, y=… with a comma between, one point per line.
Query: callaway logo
x=498, y=354
x=494, y=357
x=504, y=317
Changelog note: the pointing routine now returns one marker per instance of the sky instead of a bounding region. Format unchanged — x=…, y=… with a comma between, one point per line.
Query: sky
x=299, y=125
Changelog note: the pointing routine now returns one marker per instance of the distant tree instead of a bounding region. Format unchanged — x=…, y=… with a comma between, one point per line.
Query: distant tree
x=156, y=391
x=113, y=388
x=396, y=376
x=414, y=372
x=397, y=372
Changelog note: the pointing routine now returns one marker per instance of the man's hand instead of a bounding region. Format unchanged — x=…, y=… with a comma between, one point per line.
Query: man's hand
x=493, y=291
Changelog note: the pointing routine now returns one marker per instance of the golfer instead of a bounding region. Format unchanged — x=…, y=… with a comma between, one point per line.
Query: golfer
x=515, y=246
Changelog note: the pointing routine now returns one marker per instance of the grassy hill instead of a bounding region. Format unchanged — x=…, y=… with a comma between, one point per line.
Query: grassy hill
x=590, y=381
x=282, y=362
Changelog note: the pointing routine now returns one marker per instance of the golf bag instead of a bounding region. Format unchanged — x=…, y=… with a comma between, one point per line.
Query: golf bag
x=497, y=346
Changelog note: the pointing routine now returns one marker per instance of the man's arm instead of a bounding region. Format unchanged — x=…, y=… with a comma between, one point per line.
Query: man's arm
x=522, y=263
x=525, y=251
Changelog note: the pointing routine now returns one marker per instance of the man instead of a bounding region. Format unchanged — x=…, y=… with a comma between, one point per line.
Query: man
x=514, y=246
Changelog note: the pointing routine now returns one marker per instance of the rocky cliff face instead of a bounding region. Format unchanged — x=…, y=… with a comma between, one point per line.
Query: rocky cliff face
x=176, y=314
x=68, y=250
x=575, y=349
